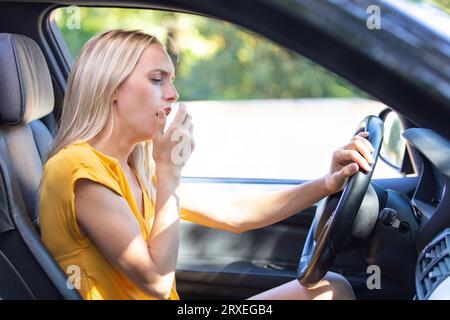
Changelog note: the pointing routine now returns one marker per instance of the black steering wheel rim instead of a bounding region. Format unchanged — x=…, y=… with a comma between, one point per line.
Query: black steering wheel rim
x=324, y=243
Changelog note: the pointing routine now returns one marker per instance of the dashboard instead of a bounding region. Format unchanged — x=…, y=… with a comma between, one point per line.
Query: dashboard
x=431, y=199
x=429, y=193
x=431, y=204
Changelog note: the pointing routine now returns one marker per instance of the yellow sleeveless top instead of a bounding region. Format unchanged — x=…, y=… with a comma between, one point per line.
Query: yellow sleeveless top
x=76, y=254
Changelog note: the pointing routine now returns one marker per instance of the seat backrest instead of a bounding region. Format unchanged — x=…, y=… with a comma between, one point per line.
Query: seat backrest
x=26, y=97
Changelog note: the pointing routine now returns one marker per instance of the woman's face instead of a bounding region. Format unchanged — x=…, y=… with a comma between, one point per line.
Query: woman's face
x=148, y=90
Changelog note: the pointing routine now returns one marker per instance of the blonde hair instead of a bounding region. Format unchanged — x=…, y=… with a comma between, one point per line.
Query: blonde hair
x=104, y=63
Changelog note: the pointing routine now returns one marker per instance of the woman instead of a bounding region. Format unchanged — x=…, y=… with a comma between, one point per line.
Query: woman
x=109, y=208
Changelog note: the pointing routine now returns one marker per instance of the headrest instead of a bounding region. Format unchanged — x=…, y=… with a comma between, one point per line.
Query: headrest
x=26, y=91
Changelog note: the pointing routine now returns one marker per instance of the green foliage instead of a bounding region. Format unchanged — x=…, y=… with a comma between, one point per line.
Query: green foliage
x=217, y=60
x=443, y=4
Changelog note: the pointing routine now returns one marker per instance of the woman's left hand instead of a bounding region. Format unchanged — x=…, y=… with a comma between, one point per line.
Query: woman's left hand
x=347, y=160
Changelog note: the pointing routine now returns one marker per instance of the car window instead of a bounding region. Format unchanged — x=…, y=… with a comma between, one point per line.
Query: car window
x=259, y=110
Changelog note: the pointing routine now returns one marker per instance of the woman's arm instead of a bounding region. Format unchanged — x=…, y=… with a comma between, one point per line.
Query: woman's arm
x=241, y=213
x=111, y=225
x=164, y=239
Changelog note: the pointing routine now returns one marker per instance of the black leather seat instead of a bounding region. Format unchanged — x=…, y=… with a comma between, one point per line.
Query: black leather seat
x=27, y=269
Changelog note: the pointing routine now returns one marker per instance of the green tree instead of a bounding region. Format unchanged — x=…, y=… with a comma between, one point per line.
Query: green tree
x=443, y=4
x=232, y=64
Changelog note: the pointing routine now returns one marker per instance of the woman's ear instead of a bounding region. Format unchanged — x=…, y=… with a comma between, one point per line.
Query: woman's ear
x=114, y=100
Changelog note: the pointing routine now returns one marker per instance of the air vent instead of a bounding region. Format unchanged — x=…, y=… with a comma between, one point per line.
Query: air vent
x=433, y=265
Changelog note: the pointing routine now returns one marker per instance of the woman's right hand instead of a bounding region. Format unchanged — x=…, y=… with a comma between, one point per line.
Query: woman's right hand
x=172, y=149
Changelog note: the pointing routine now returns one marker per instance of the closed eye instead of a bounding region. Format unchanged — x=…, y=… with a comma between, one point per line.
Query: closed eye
x=156, y=80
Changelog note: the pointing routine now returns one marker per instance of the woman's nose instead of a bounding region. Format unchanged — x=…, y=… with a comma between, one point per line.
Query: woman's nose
x=171, y=93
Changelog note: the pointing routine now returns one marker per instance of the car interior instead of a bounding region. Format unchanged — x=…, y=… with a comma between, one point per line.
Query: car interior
x=406, y=227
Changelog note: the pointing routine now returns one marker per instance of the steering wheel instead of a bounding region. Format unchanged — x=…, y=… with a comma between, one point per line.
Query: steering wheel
x=341, y=215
